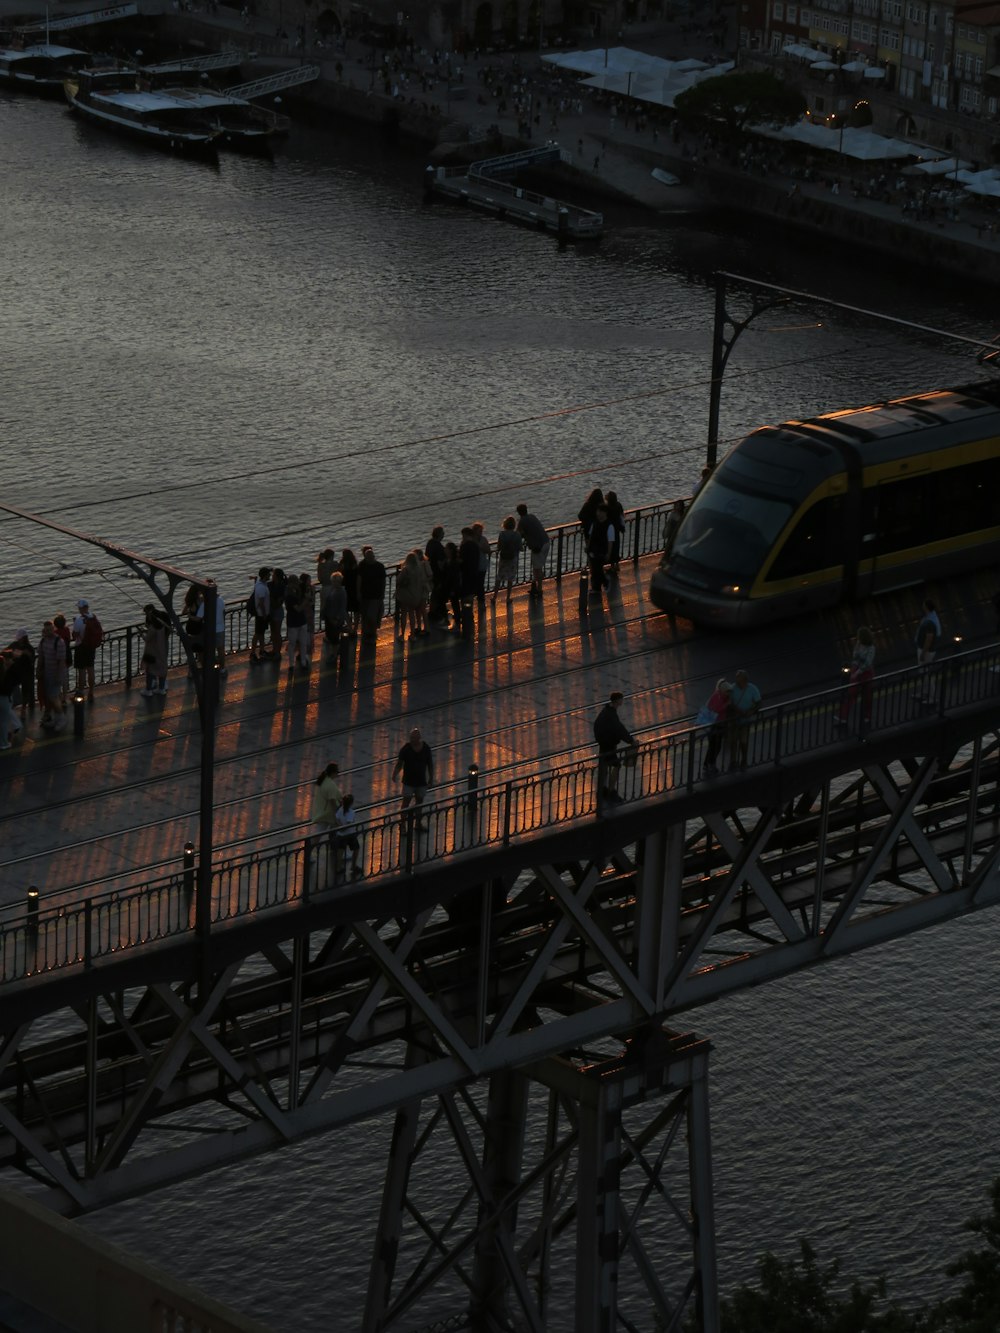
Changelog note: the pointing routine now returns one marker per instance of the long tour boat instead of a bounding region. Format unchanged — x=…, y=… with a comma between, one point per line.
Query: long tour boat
x=174, y=116
x=40, y=68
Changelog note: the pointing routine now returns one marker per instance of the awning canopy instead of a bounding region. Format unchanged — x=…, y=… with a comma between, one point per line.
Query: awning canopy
x=991, y=188
x=656, y=89
x=873, y=72
x=612, y=60
x=941, y=166
x=850, y=141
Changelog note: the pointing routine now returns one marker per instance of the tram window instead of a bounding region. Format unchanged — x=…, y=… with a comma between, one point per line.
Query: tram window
x=816, y=542
x=934, y=506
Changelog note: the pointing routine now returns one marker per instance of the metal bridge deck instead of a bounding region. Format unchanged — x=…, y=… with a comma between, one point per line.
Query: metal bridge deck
x=119, y=804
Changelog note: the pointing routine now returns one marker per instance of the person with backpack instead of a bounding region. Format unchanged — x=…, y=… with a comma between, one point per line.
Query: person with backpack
x=926, y=642
x=87, y=638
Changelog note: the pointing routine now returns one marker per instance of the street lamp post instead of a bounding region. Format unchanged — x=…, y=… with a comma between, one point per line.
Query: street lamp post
x=206, y=684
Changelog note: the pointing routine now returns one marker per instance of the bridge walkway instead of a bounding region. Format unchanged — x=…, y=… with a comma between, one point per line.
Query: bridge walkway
x=118, y=804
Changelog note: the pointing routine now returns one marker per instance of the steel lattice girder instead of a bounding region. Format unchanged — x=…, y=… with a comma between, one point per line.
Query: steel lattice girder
x=572, y=1201
x=302, y=1033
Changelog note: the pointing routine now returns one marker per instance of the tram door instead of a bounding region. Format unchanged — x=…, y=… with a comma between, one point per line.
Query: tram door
x=896, y=517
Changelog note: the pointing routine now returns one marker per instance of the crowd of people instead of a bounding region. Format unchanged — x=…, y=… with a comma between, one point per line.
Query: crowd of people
x=29, y=672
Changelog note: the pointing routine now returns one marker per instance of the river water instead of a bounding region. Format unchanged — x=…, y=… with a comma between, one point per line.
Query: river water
x=224, y=367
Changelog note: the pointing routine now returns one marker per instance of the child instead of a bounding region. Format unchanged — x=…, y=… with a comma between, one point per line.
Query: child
x=347, y=838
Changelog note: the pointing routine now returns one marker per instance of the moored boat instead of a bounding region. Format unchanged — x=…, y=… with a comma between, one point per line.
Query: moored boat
x=42, y=67
x=178, y=115
x=120, y=100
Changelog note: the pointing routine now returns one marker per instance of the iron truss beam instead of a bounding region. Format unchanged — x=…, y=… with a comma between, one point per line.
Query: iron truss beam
x=125, y=1089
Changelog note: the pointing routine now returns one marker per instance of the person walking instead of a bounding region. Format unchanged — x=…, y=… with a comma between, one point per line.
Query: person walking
x=277, y=585
x=349, y=569
x=537, y=541
x=485, y=556
x=715, y=715
x=415, y=764
x=327, y=798
x=926, y=641
x=610, y=732
x=861, y=673
x=744, y=702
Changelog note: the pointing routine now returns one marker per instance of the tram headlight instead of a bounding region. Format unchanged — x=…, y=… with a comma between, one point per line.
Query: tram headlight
x=731, y=589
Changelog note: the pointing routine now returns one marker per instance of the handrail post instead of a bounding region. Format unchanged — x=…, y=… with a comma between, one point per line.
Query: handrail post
x=559, y=555
x=307, y=848
x=88, y=922
x=508, y=796
x=407, y=833
x=779, y=730
x=128, y=656
x=636, y=534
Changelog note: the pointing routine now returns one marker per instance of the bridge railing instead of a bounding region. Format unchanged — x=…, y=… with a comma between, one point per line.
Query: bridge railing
x=119, y=657
x=399, y=842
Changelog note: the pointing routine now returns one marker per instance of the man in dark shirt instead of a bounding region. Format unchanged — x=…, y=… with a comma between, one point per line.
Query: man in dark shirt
x=416, y=764
x=436, y=554
x=609, y=732
x=536, y=539
x=371, y=592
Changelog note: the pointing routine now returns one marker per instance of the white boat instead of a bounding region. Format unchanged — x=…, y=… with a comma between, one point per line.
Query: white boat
x=40, y=68
x=176, y=116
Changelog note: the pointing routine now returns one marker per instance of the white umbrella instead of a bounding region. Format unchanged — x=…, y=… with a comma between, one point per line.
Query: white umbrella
x=942, y=166
x=854, y=67
x=874, y=73
x=990, y=188
x=800, y=52
x=824, y=65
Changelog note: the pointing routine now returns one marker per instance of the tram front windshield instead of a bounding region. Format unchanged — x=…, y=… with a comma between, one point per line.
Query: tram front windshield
x=727, y=533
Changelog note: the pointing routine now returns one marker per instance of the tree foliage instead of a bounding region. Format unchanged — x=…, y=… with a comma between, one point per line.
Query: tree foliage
x=799, y=1295
x=731, y=102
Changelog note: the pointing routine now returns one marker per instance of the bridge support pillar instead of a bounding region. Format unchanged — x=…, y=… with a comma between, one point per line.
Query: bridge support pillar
x=503, y=1151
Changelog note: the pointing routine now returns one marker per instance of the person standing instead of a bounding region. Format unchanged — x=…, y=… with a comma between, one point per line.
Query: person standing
x=860, y=676
x=347, y=840
x=277, y=585
x=154, y=653
x=599, y=544
x=715, y=715
x=371, y=592
x=485, y=556
x=261, y=613
x=436, y=556
x=671, y=524
x=509, y=545
x=926, y=642
x=537, y=541
x=744, y=702
x=616, y=518
x=610, y=732
x=87, y=638
x=51, y=675
x=416, y=766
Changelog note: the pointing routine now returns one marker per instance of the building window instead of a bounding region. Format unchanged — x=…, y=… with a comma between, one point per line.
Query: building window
x=779, y=9
x=979, y=67
x=791, y=13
